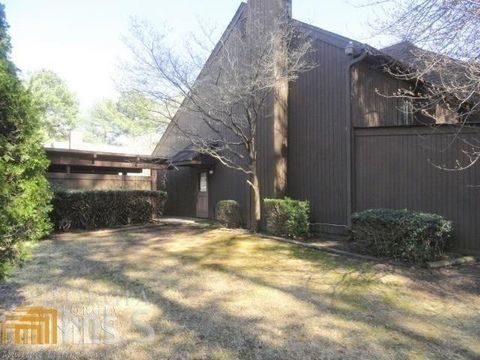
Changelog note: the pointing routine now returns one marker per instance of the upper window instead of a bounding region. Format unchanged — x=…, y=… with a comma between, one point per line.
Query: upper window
x=408, y=112
x=203, y=186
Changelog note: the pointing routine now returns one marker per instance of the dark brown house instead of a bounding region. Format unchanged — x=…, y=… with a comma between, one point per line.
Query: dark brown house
x=349, y=147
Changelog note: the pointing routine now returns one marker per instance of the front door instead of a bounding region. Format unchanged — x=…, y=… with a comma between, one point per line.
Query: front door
x=202, y=195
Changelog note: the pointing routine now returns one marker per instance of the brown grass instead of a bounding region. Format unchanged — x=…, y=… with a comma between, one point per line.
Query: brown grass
x=223, y=294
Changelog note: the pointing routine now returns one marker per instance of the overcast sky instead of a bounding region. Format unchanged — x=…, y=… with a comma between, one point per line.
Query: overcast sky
x=81, y=39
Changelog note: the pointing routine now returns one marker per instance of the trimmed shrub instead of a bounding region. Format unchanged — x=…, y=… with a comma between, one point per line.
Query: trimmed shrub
x=402, y=234
x=227, y=213
x=93, y=209
x=287, y=217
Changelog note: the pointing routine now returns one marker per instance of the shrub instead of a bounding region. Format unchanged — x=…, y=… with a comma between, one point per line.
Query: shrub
x=24, y=192
x=287, y=217
x=227, y=213
x=401, y=234
x=93, y=209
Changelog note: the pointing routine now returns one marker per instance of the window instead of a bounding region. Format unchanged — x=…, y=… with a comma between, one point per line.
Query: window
x=203, y=186
x=408, y=116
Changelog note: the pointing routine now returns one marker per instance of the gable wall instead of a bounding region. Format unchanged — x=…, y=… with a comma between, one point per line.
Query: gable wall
x=317, y=151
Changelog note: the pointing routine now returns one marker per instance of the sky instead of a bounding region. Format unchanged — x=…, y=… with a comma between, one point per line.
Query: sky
x=81, y=40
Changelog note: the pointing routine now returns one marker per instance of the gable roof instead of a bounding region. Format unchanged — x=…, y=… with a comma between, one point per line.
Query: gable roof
x=325, y=35
x=402, y=53
x=411, y=55
x=226, y=34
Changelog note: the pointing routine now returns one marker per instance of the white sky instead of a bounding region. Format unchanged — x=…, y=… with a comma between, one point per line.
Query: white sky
x=81, y=39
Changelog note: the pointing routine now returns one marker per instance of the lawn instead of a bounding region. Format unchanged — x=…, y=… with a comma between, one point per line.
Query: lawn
x=193, y=291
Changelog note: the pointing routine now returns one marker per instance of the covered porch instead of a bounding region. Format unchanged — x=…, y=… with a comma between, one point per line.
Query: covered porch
x=79, y=169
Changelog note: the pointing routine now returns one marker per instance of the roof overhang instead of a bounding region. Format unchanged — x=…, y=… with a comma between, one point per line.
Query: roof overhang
x=191, y=157
x=95, y=161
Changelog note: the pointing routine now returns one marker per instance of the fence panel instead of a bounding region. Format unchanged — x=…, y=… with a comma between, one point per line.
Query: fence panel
x=402, y=167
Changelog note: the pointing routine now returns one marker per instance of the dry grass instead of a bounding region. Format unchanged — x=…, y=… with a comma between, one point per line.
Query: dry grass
x=223, y=294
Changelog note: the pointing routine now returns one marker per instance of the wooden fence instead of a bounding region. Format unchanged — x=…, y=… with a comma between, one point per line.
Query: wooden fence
x=406, y=168
x=102, y=182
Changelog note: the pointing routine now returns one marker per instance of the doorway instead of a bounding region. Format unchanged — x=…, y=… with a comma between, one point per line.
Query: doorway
x=202, y=195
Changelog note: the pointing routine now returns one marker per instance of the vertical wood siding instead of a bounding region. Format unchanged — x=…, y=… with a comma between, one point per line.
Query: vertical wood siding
x=372, y=101
x=317, y=136
x=228, y=184
x=181, y=187
x=395, y=168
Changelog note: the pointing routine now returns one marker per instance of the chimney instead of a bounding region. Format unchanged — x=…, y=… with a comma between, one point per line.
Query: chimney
x=271, y=9
x=266, y=15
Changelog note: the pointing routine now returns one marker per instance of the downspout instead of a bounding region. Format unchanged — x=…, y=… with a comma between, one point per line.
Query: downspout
x=351, y=51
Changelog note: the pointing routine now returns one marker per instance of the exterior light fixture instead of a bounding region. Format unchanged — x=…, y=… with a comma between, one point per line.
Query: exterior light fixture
x=350, y=49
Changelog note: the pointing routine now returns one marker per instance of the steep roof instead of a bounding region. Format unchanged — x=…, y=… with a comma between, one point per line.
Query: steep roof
x=325, y=35
x=404, y=51
x=412, y=56
x=226, y=34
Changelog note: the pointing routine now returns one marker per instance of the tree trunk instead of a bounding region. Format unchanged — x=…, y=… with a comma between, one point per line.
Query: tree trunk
x=255, y=204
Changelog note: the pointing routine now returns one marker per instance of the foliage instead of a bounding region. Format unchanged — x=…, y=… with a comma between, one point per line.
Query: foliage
x=92, y=209
x=132, y=115
x=227, y=213
x=57, y=103
x=287, y=217
x=5, y=41
x=402, y=234
x=24, y=193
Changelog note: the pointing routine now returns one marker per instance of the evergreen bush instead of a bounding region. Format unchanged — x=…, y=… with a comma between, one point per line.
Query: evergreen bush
x=24, y=192
x=227, y=212
x=402, y=234
x=287, y=217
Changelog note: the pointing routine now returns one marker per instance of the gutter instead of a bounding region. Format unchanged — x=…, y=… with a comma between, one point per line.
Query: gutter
x=350, y=51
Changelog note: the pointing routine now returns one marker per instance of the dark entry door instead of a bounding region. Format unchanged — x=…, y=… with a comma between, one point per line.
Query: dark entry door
x=202, y=195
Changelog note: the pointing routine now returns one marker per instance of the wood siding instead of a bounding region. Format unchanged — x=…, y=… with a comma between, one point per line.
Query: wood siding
x=228, y=184
x=395, y=168
x=317, y=158
x=225, y=183
x=374, y=103
x=100, y=181
x=181, y=186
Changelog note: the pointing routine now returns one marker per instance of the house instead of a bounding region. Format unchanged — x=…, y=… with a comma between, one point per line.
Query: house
x=347, y=146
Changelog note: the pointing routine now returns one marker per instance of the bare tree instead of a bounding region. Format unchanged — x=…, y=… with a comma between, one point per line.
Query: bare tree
x=221, y=103
x=441, y=59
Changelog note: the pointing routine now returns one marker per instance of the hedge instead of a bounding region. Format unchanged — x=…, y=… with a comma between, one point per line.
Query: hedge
x=227, y=212
x=93, y=209
x=287, y=217
x=402, y=234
